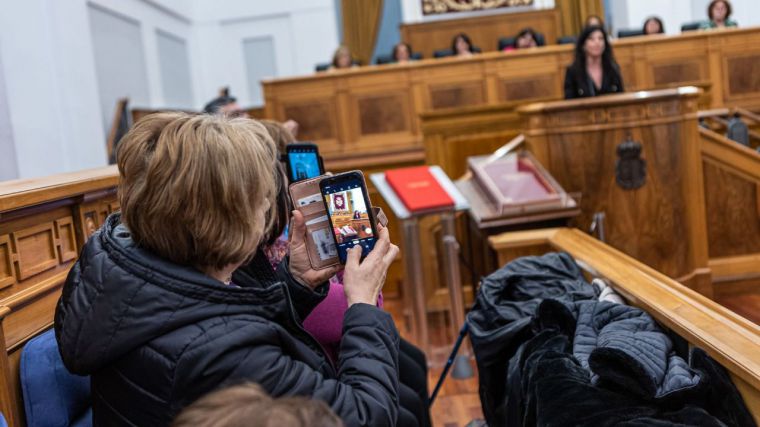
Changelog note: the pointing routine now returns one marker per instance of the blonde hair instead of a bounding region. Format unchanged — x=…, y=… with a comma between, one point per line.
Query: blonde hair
x=197, y=190
x=247, y=405
x=280, y=135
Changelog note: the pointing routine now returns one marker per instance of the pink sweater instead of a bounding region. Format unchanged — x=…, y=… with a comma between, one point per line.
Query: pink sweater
x=325, y=322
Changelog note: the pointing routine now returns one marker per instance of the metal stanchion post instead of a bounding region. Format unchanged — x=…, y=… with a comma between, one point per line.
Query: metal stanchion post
x=415, y=285
x=461, y=367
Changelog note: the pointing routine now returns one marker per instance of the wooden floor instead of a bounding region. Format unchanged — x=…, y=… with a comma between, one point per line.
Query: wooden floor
x=458, y=402
x=746, y=305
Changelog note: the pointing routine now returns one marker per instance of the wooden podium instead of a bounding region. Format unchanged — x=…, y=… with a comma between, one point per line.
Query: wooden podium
x=659, y=220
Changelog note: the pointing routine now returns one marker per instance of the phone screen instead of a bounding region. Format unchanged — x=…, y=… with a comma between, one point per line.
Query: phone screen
x=348, y=211
x=303, y=163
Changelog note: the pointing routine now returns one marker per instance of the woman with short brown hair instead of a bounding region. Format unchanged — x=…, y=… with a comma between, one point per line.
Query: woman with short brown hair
x=162, y=307
x=719, y=14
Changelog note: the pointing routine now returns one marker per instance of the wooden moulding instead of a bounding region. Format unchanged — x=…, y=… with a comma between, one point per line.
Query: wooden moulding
x=23, y=193
x=729, y=338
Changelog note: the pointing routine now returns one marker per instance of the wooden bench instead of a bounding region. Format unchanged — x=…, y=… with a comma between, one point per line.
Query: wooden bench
x=43, y=224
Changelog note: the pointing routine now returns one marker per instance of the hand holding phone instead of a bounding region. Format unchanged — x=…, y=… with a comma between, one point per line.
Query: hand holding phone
x=363, y=281
x=349, y=211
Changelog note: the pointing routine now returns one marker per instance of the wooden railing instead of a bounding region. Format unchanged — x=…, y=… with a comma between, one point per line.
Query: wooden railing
x=730, y=339
x=43, y=224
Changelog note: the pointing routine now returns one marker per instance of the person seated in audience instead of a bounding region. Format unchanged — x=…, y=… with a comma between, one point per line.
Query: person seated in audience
x=168, y=302
x=402, y=53
x=461, y=45
x=248, y=405
x=594, y=71
x=719, y=12
x=593, y=21
x=525, y=39
x=226, y=105
x=342, y=59
x=357, y=215
x=653, y=25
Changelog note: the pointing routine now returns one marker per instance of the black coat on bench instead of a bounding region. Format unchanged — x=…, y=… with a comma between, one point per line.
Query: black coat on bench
x=550, y=353
x=155, y=336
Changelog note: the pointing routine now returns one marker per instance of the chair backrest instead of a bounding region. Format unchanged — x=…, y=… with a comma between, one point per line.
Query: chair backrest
x=441, y=53
x=690, y=26
x=383, y=59
x=52, y=395
x=567, y=40
x=322, y=67
x=630, y=33
x=505, y=42
x=417, y=56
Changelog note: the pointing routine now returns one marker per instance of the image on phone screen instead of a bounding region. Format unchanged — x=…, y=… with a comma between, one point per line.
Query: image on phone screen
x=303, y=163
x=349, y=217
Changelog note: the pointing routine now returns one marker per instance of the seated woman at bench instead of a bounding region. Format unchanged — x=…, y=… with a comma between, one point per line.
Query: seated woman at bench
x=162, y=306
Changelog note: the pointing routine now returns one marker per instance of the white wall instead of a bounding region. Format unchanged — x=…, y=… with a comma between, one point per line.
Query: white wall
x=51, y=90
x=674, y=13
x=8, y=168
x=49, y=86
x=304, y=33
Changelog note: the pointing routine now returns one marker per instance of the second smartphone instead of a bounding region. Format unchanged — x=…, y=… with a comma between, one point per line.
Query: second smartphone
x=349, y=211
x=303, y=161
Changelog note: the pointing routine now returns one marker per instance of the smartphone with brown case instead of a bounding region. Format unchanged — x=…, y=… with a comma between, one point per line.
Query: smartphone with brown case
x=320, y=242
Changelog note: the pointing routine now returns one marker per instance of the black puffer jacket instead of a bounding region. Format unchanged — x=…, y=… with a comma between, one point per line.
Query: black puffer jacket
x=550, y=354
x=155, y=336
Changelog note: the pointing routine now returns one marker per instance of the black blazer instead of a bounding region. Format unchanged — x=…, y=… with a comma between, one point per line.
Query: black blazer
x=582, y=86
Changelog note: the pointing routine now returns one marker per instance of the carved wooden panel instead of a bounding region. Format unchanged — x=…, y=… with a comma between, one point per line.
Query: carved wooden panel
x=7, y=277
x=66, y=237
x=636, y=220
x=382, y=114
x=681, y=72
x=35, y=250
x=315, y=119
x=532, y=88
x=733, y=220
x=457, y=95
x=743, y=75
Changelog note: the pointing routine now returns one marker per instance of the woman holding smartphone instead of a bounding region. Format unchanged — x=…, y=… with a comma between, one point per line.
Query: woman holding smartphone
x=325, y=322
x=165, y=303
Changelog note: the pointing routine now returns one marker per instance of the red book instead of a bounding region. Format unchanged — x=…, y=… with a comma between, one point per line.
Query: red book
x=418, y=189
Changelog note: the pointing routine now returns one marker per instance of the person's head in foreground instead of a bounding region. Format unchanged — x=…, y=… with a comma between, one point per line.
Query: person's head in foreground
x=248, y=405
x=168, y=301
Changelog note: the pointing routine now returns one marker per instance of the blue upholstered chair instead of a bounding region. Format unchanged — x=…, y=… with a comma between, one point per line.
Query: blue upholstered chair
x=690, y=26
x=2, y=421
x=630, y=33
x=53, y=397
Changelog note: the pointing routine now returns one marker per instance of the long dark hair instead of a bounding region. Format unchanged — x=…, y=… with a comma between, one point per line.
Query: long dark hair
x=608, y=59
x=464, y=37
x=656, y=19
x=524, y=32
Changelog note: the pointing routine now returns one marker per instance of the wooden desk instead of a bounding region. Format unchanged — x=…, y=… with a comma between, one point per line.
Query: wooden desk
x=484, y=31
x=43, y=224
x=375, y=110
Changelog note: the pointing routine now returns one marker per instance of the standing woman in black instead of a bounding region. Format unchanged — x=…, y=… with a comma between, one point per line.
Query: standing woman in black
x=594, y=71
